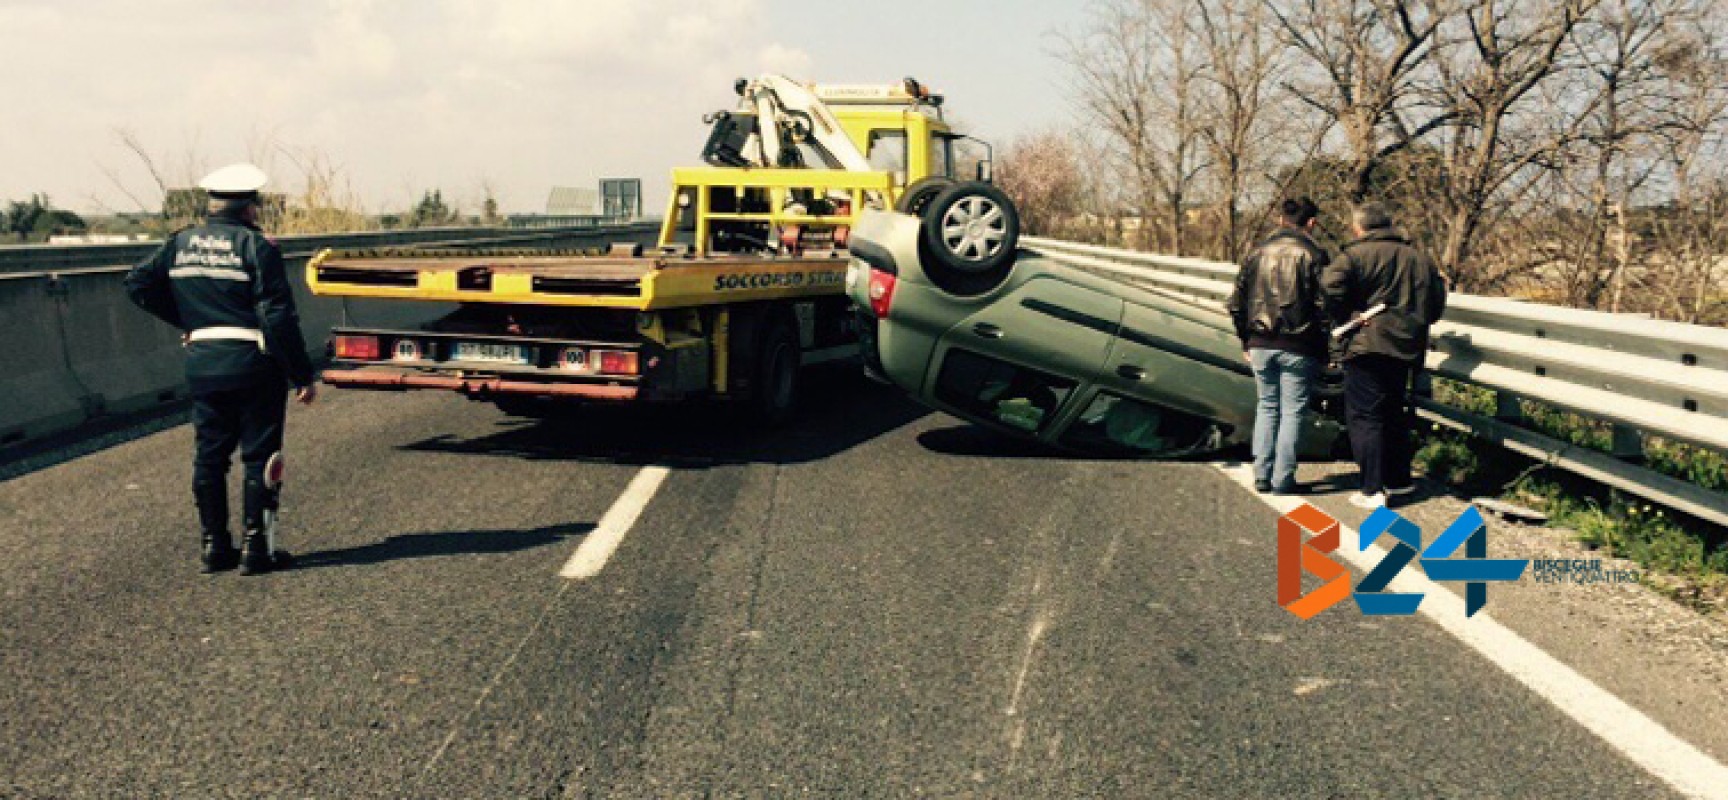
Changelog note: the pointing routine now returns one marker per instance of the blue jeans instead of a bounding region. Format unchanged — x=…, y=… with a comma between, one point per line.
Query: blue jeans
x=1284, y=379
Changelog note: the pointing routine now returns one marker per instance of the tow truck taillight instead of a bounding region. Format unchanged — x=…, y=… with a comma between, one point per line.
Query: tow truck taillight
x=617, y=362
x=881, y=292
x=358, y=348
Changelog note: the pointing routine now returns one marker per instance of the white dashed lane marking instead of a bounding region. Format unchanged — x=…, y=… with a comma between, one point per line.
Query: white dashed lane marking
x=599, y=545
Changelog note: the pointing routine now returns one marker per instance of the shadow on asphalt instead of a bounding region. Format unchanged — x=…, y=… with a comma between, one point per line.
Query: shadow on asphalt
x=839, y=410
x=444, y=543
x=978, y=441
x=38, y=454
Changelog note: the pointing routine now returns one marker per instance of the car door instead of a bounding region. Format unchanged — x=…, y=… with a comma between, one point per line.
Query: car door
x=1183, y=359
x=1016, y=362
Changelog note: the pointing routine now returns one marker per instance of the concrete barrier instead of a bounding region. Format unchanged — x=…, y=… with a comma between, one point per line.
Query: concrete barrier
x=38, y=392
x=128, y=360
x=75, y=347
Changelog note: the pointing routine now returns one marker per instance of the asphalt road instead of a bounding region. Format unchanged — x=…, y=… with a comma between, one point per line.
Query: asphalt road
x=877, y=602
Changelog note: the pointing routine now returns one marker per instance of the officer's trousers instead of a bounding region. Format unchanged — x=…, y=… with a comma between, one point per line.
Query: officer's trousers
x=250, y=418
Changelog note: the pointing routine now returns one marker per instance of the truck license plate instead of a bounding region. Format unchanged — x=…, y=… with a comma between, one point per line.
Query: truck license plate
x=491, y=353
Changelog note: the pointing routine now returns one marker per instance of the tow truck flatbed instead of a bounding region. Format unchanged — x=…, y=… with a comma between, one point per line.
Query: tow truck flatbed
x=642, y=283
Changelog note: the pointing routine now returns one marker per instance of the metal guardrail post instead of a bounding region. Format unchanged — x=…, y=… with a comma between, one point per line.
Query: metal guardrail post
x=1507, y=408
x=1627, y=444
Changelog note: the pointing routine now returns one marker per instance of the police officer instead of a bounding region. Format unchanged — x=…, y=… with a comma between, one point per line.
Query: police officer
x=223, y=285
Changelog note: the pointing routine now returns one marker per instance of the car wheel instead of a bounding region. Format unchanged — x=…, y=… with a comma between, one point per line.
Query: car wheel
x=969, y=238
x=776, y=373
x=920, y=193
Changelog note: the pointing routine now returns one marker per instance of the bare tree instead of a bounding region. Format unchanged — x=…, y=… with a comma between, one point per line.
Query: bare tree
x=1366, y=57
x=1688, y=245
x=1242, y=57
x=1042, y=173
x=166, y=172
x=1137, y=69
x=1506, y=49
x=326, y=201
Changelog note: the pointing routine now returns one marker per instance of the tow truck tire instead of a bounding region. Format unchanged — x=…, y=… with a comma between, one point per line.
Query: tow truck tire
x=970, y=238
x=775, y=394
x=920, y=193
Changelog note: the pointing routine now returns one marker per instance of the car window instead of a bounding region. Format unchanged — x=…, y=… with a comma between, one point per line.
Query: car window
x=1119, y=425
x=1020, y=398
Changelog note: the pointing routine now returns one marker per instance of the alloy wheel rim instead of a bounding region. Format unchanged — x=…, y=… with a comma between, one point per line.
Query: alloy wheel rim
x=974, y=228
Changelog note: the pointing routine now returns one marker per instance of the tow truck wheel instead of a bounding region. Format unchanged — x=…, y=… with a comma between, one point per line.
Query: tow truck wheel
x=920, y=193
x=969, y=238
x=776, y=389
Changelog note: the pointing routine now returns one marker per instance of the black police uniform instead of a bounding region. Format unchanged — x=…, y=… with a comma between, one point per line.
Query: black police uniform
x=223, y=283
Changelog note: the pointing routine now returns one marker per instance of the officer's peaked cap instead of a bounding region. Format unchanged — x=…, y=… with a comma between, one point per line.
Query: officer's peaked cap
x=234, y=181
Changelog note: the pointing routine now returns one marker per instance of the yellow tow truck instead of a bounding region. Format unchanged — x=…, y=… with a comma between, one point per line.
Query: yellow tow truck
x=744, y=288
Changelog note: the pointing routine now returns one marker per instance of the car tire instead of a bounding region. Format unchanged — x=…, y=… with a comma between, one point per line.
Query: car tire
x=920, y=193
x=775, y=390
x=970, y=238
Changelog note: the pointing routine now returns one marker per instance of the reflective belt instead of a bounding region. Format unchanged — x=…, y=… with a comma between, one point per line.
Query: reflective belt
x=252, y=335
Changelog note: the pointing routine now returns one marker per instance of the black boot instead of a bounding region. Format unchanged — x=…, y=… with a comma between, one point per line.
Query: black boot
x=258, y=554
x=218, y=553
x=255, y=555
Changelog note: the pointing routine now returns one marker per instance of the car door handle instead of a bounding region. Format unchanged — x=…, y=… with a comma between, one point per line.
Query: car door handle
x=1131, y=372
x=987, y=330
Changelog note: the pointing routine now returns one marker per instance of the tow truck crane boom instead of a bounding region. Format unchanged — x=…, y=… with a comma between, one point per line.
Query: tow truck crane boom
x=789, y=114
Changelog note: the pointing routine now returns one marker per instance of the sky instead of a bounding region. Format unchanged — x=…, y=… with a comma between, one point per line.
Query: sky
x=400, y=96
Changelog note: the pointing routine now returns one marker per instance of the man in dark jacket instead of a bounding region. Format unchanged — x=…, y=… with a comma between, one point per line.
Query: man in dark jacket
x=1279, y=315
x=1381, y=268
x=224, y=286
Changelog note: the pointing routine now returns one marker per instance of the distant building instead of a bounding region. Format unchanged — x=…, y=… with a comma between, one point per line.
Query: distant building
x=616, y=200
x=621, y=198
x=571, y=201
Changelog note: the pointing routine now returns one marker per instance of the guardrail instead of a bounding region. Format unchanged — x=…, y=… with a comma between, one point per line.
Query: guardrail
x=1638, y=375
x=75, y=349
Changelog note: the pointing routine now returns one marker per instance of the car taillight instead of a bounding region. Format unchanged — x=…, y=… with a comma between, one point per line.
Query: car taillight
x=617, y=362
x=881, y=292
x=358, y=348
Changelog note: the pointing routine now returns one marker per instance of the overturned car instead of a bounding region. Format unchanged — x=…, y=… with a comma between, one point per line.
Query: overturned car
x=954, y=312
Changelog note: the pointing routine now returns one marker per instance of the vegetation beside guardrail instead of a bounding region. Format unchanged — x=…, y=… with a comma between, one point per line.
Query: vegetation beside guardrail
x=1691, y=553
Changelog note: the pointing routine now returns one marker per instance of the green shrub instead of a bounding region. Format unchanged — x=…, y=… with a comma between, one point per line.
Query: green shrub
x=1602, y=518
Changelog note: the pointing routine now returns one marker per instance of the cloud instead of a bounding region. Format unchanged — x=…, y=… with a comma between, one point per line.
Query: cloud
x=400, y=95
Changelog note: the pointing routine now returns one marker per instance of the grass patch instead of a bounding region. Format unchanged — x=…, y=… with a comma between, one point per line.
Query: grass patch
x=1692, y=554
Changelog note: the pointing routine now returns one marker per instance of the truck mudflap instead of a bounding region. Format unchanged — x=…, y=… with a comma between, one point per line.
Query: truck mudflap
x=476, y=386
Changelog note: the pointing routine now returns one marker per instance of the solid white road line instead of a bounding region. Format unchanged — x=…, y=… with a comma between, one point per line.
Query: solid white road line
x=600, y=543
x=1672, y=759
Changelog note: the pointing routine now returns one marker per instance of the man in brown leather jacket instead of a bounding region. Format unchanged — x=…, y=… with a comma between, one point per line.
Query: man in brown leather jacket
x=1280, y=318
x=1381, y=267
